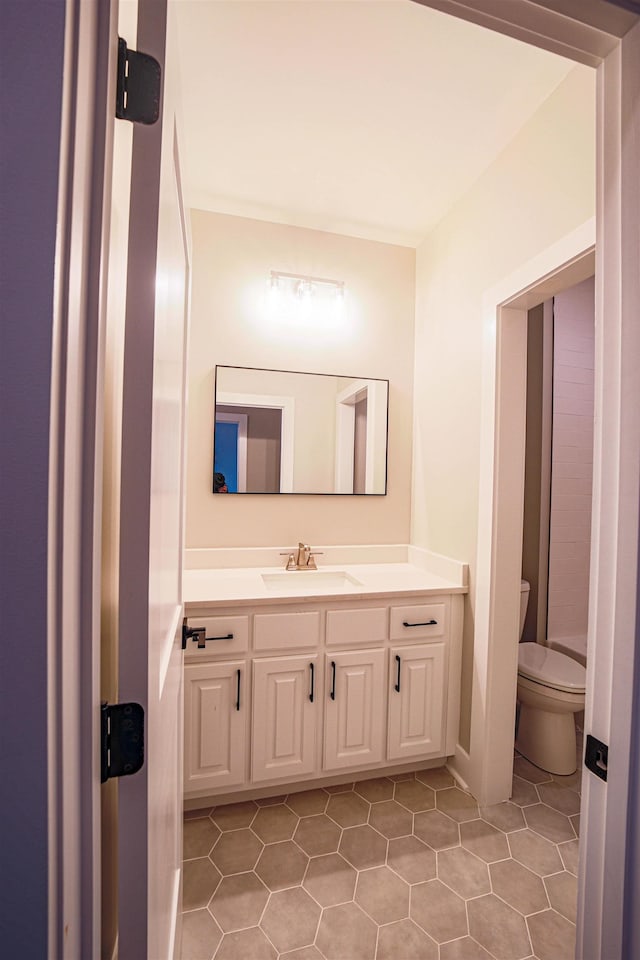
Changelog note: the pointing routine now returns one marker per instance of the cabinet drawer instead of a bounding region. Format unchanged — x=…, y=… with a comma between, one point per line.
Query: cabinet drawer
x=349, y=627
x=419, y=621
x=282, y=631
x=225, y=636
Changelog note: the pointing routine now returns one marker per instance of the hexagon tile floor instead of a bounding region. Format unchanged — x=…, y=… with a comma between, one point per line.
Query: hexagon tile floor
x=403, y=868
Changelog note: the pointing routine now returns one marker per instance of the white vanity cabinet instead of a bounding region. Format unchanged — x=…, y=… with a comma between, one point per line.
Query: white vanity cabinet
x=215, y=725
x=418, y=679
x=327, y=687
x=216, y=707
x=355, y=721
x=286, y=716
x=417, y=697
x=355, y=709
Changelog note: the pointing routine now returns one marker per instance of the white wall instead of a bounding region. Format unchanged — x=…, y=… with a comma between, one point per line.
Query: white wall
x=538, y=190
x=572, y=461
x=231, y=323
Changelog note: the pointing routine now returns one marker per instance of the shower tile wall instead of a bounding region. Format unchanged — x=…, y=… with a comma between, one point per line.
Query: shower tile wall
x=572, y=461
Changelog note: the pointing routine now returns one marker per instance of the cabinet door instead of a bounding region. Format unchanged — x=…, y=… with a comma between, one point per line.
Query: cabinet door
x=416, y=701
x=285, y=717
x=215, y=724
x=355, y=709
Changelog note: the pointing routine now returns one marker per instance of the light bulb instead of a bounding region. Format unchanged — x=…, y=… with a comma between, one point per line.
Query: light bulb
x=275, y=295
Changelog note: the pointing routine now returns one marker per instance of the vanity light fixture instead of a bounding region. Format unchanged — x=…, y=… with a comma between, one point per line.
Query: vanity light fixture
x=298, y=302
x=304, y=286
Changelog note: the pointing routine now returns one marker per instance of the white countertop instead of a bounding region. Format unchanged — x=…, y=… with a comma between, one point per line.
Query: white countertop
x=221, y=587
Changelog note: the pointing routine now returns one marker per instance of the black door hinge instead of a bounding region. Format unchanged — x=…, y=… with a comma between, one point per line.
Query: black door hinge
x=138, y=86
x=122, y=739
x=596, y=757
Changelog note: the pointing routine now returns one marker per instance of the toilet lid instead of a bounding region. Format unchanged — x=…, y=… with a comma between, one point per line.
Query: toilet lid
x=551, y=668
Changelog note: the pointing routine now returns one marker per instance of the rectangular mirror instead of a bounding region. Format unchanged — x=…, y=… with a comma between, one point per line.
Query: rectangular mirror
x=278, y=431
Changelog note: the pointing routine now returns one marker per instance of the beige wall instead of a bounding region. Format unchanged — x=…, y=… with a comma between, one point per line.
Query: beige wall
x=538, y=190
x=231, y=324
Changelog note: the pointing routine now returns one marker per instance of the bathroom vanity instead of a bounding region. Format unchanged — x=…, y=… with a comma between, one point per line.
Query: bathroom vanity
x=315, y=677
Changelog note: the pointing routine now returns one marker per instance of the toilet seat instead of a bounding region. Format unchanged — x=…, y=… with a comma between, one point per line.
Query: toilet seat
x=550, y=668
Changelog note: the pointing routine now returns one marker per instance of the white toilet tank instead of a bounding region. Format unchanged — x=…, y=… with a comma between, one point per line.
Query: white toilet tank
x=524, y=601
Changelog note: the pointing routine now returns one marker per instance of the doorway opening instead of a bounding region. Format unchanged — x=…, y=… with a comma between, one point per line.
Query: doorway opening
x=489, y=761
x=265, y=464
x=559, y=470
x=557, y=505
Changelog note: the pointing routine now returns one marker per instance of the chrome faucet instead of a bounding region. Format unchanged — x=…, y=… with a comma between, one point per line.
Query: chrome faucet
x=303, y=559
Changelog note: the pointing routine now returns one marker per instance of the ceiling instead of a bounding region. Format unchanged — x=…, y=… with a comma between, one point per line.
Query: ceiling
x=363, y=117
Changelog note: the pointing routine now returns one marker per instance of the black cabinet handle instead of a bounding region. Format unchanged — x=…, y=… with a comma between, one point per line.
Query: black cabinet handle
x=199, y=635
x=238, y=690
x=313, y=681
x=427, y=623
x=333, y=680
x=397, y=684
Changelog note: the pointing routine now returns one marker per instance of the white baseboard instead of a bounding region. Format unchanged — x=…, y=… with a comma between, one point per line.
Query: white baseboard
x=458, y=767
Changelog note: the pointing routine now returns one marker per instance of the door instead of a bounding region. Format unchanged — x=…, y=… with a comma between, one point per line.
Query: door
x=151, y=521
x=355, y=710
x=215, y=735
x=285, y=717
x=416, y=701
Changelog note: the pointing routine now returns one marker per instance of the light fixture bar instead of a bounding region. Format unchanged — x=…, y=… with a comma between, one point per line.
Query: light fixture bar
x=279, y=274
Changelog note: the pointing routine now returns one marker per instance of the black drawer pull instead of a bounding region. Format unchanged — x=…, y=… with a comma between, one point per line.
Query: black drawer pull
x=313, y=681
x=199, y=634
x=427, y=623
x=399, y=662
x=202, y=640
x=238, y=691
x=333, y=680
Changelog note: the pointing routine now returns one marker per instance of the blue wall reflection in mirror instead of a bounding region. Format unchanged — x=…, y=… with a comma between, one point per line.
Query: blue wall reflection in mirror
x=226, y=448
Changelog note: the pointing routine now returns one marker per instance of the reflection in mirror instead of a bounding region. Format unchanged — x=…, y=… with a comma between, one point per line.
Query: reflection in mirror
x=280, y=431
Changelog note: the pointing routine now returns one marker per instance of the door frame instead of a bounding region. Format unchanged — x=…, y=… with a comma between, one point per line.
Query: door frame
x=76, y=429
x=488, y=772
x=376, y=448
x=608, y=39
x=75, y=478
x=287, y=407
x=240, y=420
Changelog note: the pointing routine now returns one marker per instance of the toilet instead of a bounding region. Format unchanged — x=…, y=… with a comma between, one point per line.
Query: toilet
x=551, y=688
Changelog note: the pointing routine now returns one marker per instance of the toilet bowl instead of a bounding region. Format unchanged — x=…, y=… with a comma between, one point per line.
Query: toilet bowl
x=551, y=690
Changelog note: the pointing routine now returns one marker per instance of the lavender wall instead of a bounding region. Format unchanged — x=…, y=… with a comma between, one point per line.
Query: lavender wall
x=31, y=92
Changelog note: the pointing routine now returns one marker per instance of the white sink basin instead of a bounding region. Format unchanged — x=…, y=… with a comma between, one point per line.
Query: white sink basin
x=309, y=581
